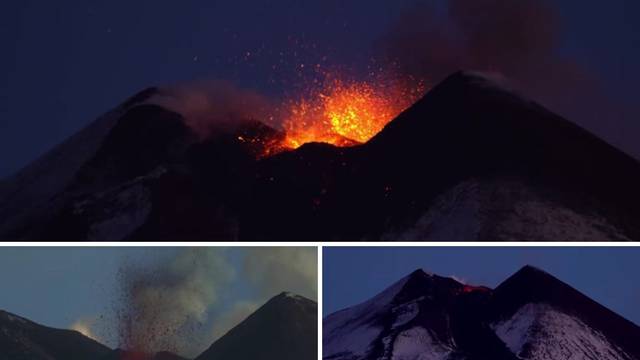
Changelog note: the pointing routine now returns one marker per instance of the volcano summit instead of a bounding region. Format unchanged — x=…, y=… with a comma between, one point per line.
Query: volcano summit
x=531, y=315
x=471, y=160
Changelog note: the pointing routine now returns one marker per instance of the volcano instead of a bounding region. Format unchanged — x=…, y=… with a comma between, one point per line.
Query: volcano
x=471, y=160
x=22, y=339
x=532, y=315
x=283, y=328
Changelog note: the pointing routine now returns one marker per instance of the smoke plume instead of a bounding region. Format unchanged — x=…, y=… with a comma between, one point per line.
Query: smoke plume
x=521, y=40
x=85, y=327
x=182, y=303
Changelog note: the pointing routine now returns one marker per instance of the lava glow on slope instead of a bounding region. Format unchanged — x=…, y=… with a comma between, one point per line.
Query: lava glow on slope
x=345, y=112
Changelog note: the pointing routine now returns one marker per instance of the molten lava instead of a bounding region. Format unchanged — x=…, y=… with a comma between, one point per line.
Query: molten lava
x=347, y=112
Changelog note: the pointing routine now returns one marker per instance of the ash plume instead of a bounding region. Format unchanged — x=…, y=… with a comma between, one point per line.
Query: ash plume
x=520, y=40
x=165, y=306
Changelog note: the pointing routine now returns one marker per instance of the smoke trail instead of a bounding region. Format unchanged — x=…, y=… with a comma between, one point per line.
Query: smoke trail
x=518, y=39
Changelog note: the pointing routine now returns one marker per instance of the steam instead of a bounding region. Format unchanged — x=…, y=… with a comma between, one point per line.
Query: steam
x=461, y=280
x=181, y=304
x=84, y=326
x=214, y=106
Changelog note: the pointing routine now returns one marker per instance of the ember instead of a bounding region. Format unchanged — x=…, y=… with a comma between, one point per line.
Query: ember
x=345, y=112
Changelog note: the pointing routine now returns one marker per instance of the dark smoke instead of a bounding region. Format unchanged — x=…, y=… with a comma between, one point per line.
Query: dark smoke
x=519, y=40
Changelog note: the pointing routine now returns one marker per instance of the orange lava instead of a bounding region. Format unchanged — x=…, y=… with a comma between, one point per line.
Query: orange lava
x=347, y=112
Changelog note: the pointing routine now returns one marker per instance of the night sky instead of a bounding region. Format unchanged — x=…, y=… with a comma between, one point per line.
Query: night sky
x=606, y=275
x=67, y=62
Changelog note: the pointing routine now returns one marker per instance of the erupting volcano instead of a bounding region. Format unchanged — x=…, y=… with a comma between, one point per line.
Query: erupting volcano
x=341, y=111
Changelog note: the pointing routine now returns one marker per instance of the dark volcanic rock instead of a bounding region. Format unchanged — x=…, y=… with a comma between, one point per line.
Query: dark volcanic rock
x=21, y=339
x=532, y=315
x=469, y=161
x=120, y=354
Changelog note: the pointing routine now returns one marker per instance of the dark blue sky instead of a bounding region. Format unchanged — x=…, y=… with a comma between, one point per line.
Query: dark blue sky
x=63, y=286
x=66, y=62
x=607, y=275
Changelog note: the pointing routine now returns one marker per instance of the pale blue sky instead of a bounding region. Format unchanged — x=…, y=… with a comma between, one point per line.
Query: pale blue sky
x=610, y=276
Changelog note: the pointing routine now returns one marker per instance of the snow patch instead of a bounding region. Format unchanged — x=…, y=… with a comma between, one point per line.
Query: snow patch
x=418, y=344
x=504, y=209
x=539, y=331
x=353, y=330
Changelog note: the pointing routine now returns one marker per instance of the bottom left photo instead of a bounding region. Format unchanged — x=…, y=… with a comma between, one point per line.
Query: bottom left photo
x=158, y=303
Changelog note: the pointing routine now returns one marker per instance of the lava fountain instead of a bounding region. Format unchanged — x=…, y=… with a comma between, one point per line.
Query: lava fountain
x=342, y=111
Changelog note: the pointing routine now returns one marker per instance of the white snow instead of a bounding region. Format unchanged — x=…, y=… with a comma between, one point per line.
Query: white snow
x=132, y=207
x=540, y=332
x=454, y=216
x=503, y=209
x=418, y=344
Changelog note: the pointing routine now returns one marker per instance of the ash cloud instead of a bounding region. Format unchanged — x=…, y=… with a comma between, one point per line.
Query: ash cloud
x=520, y=40
x=185, y=302
x=86, y=326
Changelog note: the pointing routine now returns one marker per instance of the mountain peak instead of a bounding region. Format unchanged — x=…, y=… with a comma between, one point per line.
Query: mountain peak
x=420, y=272
x=287, y=297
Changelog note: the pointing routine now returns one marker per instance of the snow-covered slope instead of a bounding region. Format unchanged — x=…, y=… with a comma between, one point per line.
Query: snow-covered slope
x=427, y=317
x=539, y=331
x=408, y=320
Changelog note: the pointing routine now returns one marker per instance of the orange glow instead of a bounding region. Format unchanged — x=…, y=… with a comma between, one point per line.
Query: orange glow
x=346, y=112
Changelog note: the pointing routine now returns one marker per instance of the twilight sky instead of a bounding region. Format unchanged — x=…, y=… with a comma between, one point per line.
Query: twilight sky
x=82, y=287
x=607, y=275
x=66, y=62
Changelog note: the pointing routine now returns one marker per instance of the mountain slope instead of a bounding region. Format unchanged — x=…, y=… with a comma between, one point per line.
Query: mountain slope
x=471, y=160
x=284, y=328
x=529, y=296
x=530, y=316
x=470, y=155
x=21, y=339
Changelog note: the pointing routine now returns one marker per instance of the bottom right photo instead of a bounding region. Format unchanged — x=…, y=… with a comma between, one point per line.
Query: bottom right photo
x=481, y=303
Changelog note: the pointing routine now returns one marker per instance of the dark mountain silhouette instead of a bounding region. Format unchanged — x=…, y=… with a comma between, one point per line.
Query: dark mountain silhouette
x=532, y=315
x=21, y=339
x=284, y=328
x=472, y=160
